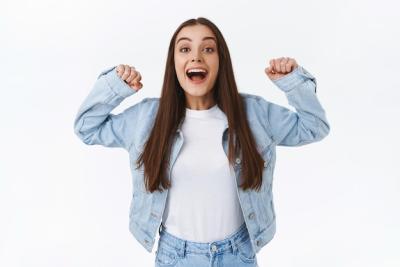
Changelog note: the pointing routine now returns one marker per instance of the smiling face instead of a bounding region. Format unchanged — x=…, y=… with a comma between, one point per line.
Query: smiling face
x=196, y=64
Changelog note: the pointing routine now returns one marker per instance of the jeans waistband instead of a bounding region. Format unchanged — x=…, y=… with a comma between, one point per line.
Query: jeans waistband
x=182, y=246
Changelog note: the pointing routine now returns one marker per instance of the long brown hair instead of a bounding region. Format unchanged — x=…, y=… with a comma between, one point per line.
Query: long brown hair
x=171, y=112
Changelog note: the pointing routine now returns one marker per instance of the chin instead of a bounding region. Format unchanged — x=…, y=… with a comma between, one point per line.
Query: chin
x=196, y=91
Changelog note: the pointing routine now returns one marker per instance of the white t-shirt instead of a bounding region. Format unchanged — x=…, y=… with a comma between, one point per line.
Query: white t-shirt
x=202, y=203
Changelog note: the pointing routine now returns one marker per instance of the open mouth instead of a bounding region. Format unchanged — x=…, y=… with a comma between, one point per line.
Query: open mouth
x=197, y=75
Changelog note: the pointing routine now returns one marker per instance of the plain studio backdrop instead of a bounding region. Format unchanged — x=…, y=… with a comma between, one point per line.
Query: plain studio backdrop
x=66, y=204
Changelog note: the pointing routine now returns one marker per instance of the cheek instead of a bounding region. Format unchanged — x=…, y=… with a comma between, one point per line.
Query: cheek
x=215, y=69
x=179, y=67
x=215, y=64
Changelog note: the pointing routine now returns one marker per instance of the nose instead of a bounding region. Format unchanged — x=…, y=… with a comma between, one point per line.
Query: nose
x=196, y=56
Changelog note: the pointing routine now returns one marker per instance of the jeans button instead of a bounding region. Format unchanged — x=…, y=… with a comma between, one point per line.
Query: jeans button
x=214, y=248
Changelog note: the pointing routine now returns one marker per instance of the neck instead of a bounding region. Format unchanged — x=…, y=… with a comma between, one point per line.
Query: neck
x=200, y=103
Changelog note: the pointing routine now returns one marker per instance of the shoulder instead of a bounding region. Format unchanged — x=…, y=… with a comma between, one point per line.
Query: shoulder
x=256, y=108
x=150, y=100
x=143, y=111
x=254, y=102
x=148, y=104
x=141, y=117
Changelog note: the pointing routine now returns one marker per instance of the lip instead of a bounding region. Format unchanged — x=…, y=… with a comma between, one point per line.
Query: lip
x=196, y=67
x=197, y=82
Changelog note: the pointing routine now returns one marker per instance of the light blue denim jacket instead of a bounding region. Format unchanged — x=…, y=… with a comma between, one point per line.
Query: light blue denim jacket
x=271, y=125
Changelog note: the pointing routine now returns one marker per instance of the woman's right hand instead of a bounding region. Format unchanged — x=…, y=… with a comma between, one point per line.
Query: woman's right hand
x=130, y=75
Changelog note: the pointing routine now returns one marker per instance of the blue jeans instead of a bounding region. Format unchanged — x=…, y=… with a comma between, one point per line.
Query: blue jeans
x=235, y=250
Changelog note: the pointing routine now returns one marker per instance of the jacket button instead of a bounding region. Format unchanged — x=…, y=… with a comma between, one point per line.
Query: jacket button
x=238, y=160
x=265, y=164
x=258, y=243
x=251, y=216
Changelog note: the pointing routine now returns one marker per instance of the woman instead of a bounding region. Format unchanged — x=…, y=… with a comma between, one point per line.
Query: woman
x=202, y=155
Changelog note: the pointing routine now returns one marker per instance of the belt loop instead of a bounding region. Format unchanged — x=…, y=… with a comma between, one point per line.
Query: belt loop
x=184, y=249
x=233, y=246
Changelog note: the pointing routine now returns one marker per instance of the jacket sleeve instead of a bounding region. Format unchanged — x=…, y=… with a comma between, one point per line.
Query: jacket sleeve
x=309, y=124
x=95, y=125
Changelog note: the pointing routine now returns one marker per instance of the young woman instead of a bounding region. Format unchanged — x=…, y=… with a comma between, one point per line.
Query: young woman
x=202, y=155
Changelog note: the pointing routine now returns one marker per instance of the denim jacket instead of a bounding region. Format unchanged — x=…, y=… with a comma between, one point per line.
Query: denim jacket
x=271, y=125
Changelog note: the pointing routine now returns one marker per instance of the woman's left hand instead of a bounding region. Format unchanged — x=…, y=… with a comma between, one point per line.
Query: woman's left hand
x=280, y=67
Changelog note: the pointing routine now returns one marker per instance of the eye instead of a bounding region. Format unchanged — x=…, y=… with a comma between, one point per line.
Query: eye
x=210, y=49
x=181, y=50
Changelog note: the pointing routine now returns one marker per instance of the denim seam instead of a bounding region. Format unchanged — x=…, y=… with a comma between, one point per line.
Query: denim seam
x=268, y=125
x=144, y=100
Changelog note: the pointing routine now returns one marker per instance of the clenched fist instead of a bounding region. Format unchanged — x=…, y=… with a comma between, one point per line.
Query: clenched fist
x=280, y=67
x=130, y=75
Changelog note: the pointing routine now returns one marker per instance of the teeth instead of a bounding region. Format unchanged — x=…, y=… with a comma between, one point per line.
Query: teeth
x=196, y=70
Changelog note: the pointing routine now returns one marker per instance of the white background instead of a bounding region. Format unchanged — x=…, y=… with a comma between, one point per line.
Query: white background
x=63, y=203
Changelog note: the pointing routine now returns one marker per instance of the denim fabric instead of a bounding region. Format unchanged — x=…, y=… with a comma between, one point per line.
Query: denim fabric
x=271, y=125
x=233, y=251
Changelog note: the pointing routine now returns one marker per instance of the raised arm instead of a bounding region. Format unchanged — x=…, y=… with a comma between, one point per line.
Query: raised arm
x=309, y=124
x=94, y=124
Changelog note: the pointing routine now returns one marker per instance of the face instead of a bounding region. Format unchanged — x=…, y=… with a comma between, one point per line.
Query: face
x=196, y=62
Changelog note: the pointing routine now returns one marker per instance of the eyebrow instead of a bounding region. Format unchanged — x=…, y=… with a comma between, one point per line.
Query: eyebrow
x=205, y=38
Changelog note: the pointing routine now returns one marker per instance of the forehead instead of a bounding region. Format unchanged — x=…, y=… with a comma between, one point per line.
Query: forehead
x=195, y=33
